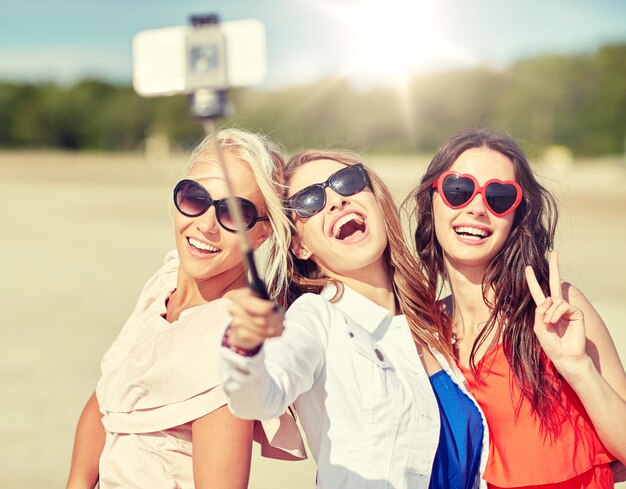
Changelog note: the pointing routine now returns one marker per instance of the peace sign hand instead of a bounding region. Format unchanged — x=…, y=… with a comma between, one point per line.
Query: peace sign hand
x=559, y=326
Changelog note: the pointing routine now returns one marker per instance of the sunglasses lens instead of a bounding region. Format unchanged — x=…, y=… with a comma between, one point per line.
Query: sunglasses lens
x=191, y=199
x=501, y=197
x=348, y=181
x=248, y=214
x=308, y=201
x=457, y=189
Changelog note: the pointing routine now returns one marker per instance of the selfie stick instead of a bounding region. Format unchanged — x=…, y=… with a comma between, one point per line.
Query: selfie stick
x=208, y=105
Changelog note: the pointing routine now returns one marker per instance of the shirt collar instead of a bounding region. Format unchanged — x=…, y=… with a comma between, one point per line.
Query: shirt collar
x=366, y=313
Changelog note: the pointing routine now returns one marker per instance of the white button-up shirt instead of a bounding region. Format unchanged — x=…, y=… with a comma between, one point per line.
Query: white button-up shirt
x=361, y=392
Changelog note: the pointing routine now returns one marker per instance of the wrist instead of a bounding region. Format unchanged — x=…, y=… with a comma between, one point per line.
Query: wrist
x=239, y=350
x=575, y=370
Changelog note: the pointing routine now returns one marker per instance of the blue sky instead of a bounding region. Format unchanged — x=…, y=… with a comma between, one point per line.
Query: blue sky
x=364, y=40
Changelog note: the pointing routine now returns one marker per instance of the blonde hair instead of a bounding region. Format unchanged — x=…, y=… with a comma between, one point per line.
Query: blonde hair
x=267, y=164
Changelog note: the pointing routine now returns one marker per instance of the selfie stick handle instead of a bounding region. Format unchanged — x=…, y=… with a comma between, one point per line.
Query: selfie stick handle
x=208, y=104
x=255, y=282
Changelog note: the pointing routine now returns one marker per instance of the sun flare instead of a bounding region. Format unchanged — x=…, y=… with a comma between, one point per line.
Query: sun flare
x=391, y=40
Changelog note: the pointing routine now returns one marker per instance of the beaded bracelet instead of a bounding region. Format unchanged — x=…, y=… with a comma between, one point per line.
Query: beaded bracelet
x=244, y=352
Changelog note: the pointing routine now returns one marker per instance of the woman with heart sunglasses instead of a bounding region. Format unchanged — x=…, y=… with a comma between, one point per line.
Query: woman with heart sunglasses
x=551, y=384
x=158, y=417
x=359, y=352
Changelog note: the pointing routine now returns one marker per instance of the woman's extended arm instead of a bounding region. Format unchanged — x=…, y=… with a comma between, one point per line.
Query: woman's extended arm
x=88, y=445
x=222, y=450
x=575, y=338
x=264, y=385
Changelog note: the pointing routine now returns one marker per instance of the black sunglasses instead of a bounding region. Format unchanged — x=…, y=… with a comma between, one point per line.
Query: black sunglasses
x=192, y=200
x=312, y=199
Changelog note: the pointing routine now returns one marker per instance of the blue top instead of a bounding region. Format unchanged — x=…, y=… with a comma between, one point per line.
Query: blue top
x=461, y=437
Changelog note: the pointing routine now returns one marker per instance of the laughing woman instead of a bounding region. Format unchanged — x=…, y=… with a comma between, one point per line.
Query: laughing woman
x=359, y=350
x=545, y=371
x=158, y=417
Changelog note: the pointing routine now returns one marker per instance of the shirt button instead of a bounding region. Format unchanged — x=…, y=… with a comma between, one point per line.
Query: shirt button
x=350, y=334
x=379, y=354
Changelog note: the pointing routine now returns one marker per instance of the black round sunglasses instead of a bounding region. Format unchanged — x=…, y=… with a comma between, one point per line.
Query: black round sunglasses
x=192, y=200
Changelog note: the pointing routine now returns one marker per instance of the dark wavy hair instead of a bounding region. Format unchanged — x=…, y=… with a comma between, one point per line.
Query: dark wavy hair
x=415, y=297
x=530, y=240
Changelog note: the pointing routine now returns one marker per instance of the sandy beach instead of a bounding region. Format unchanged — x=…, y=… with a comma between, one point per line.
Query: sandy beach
x=82, y=233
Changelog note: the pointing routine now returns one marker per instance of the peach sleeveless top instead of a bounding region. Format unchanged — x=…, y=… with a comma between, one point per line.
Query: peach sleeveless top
x=520, y=453
x=158, y=377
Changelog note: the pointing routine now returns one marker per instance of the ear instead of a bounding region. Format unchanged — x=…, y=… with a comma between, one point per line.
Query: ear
x=261, y=234
x=299, y=249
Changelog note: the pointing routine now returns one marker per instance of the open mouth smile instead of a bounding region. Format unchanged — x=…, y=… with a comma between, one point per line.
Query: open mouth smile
x=202, y=248
x=472, y=233
x=349, y=227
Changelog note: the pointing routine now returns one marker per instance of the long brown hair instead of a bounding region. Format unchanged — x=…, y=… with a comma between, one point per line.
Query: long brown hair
x=530, y=240
x=416, y=299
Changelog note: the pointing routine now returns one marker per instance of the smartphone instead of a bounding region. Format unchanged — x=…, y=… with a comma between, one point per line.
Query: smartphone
x=184, y=59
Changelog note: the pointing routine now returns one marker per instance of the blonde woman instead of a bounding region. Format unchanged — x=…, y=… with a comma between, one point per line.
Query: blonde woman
x=158, y=417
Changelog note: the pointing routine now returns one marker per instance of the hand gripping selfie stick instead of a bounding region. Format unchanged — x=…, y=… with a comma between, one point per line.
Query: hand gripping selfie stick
x=209, y=104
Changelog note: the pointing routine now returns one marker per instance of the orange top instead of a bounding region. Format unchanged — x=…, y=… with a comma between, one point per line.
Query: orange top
x=520, y=453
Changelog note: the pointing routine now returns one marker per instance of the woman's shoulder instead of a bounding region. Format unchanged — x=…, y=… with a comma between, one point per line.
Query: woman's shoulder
x=313, y=308
x=169, y=269
x=170, y=265
x=577, y=298
x=310, y=300
x=162, y=281
x=573, y=294
x=213, y=314
x=165, y=273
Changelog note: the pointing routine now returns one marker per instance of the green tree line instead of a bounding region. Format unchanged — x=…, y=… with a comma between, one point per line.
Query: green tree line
x=577, y=100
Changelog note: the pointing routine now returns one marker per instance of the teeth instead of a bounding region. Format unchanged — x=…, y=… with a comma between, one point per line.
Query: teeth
x=202, y=246
x=353, y=216
x=472, y=230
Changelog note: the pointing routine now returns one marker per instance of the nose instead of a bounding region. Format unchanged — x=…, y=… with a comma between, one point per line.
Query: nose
x=477, y=207
x=335, y=201
x=207, y=222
